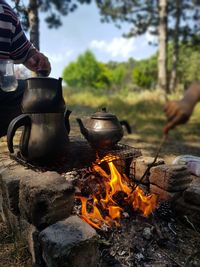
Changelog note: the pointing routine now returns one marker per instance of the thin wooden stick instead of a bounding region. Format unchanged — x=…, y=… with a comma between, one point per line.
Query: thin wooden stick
x=163, y=140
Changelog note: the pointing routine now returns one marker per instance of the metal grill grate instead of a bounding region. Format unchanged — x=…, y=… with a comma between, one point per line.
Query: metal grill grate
x=80, y=155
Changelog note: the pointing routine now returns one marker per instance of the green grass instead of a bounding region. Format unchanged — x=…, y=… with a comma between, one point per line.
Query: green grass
x=145, y=113
x=144, y=110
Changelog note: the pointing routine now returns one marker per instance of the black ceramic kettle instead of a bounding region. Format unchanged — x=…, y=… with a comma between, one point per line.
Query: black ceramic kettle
x=45, y=121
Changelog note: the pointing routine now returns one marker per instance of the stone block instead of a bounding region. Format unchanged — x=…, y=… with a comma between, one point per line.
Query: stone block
x=192, y=194
x=45, y=198
x=29, y=234
x=9, y=183
x=70, y=243
x=2, y=214
x=164, y=195
x=139, y=166
x=9, y=196
x=172, y=178
x=12, y=223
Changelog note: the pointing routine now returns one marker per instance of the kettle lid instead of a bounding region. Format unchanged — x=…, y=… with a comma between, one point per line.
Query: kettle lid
x=103, y=114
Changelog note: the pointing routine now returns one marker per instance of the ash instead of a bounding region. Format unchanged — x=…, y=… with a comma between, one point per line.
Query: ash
x=161, y=240
x=157, y=241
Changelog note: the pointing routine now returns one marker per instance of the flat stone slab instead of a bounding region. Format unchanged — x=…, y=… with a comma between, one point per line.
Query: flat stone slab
x=192, y=194
x=45, y=198
x=172, y=178
x=70, y=243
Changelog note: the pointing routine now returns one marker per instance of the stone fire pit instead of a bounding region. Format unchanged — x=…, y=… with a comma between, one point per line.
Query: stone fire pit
x=36, y=202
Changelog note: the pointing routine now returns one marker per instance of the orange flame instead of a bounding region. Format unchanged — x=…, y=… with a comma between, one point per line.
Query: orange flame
x=101, y=208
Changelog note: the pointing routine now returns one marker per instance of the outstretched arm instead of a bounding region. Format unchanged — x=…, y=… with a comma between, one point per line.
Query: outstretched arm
x=178, y=112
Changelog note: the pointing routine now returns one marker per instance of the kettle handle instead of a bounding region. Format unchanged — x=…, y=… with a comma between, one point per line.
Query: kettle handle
x=21, y=120
x=126, y=125
x=66, y=118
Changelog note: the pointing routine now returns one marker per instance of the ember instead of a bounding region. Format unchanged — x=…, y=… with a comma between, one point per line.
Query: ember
x=111, y=192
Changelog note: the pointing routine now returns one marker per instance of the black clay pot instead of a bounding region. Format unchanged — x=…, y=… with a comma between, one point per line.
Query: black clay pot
x=43, y=95
x=44, y=136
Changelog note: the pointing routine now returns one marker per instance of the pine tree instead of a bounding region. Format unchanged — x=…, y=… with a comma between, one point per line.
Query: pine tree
x=54, y=9
x=181, y=23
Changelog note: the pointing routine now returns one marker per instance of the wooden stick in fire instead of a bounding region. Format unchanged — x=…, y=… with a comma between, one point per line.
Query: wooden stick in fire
x=163, y=140
x=153, y=162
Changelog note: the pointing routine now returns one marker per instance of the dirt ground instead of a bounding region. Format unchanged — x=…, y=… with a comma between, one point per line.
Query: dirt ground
x=15, y=254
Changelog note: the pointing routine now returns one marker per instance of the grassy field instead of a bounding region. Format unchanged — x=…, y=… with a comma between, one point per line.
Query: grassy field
x=144, y=112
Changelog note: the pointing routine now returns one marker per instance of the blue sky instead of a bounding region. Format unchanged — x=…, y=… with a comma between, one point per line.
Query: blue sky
x=83, y=30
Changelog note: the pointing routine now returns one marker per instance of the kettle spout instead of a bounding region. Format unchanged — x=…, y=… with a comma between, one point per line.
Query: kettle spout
x=82, y=128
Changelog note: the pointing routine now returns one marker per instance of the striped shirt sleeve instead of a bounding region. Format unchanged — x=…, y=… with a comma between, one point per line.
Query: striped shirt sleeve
x=13, y=41
x=20, y=45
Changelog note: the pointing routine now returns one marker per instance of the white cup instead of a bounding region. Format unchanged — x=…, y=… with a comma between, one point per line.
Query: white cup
x=8, y=81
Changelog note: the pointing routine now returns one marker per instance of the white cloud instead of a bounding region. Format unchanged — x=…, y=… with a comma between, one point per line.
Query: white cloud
x=117, y=47
x=59, y=57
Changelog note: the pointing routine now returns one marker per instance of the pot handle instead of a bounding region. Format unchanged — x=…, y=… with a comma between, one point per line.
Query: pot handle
x=126, y=125
x=66, y=118
x=21, y=120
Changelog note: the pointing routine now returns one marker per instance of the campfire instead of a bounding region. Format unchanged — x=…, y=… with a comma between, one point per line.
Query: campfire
x=95, y=210
x=111, y=194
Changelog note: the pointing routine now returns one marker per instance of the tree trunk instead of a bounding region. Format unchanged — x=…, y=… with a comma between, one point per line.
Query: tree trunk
x=175, y=54
x=162, y=58
x=34, y=23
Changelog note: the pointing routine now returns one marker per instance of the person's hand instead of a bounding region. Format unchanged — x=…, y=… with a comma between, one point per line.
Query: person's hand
x=38, y=63
x=177, y=112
